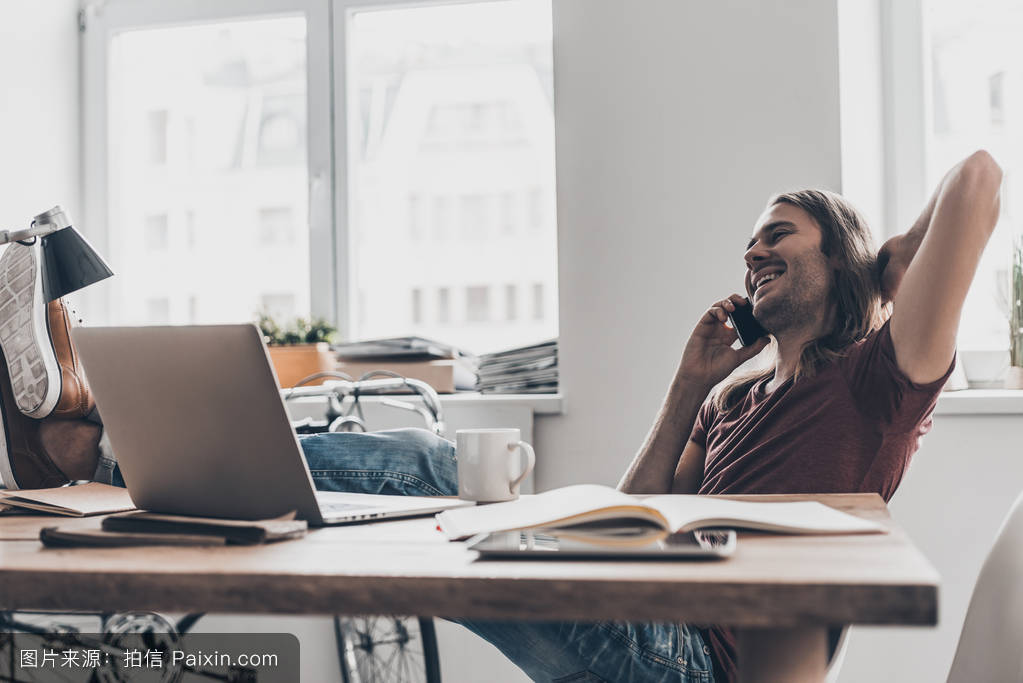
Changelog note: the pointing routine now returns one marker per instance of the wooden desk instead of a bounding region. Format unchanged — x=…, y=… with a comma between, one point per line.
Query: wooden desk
x=780, y=592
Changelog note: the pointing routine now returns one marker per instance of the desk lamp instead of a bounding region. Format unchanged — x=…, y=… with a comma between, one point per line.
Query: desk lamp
x=69, y=262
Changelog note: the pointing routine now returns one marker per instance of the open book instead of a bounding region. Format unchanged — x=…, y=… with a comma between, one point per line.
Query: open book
x=594, y=510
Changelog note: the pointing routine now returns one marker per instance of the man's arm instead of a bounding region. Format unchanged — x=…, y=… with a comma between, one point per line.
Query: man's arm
x=653, y=468
x=668, y=461
x=928, y=271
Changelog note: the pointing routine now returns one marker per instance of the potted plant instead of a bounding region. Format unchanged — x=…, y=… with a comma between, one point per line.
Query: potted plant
x=299, y=348
x=1014, y=376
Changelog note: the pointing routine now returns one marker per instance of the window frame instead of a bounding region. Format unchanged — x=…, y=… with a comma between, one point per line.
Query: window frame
x=100, y=22
x=327, y=26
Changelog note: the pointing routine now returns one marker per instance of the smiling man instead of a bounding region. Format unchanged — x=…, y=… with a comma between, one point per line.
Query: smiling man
x=847, y=396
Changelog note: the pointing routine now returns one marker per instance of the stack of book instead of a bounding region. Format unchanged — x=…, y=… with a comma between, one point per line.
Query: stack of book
x=524, y=370
x=445, y=368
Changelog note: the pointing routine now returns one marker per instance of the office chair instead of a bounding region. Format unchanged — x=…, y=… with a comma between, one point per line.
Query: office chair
x=991, y=643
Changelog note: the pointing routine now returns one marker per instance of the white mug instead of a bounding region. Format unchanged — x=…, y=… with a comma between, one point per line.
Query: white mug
x=490, y=466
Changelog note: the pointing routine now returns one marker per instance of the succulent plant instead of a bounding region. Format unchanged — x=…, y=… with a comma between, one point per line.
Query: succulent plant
x=297, y=331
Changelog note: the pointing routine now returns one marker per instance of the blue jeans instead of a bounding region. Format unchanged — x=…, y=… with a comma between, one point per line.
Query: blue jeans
x=415, y=462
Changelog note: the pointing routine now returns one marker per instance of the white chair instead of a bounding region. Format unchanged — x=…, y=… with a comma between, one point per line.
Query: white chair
x=991, y=644
x=838, y=642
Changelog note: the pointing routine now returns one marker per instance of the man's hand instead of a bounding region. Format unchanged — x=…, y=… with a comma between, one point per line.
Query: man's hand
x=892, y=261
x=709, y=357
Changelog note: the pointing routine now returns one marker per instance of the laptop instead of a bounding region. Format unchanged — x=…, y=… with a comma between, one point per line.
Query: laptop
x=199, y=427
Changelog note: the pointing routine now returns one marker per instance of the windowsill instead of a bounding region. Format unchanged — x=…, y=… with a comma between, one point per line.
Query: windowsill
x=980, y=402
x=541, y=404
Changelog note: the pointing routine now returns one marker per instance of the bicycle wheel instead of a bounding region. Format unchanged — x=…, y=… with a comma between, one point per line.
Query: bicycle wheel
x=387, y=649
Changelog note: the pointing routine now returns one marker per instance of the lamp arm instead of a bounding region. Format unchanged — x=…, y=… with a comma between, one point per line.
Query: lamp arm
x=45, y=223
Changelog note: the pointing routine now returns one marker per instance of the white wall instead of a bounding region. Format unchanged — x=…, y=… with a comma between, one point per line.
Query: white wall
x=674, y=121
x=39, y=142
x=952, y=501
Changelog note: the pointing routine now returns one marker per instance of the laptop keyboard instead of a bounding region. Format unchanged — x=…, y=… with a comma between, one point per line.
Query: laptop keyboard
x=344, y=507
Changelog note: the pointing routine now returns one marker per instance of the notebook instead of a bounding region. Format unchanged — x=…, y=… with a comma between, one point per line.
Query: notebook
x=199, y=427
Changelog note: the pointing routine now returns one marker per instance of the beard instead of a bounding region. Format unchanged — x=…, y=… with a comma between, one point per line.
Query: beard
x=797, y=298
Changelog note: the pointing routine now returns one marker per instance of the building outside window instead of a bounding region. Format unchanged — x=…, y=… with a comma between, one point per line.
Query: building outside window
x=511, y=302
x=218, y=108
x=454, y=103
x=477, y=304
x=342, y=154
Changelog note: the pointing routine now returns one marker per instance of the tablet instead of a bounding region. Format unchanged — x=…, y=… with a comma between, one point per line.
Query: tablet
x=703, y=544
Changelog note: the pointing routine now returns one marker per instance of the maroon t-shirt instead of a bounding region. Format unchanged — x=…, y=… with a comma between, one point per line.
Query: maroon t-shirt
x=851, y=428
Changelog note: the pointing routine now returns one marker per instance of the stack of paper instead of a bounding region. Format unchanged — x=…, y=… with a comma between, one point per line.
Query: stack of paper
x=444, y=367
x=524, y=370
x=398, y=348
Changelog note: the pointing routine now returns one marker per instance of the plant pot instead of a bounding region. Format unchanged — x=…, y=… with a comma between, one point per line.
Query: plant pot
x=1014, y=378
x=296, y=362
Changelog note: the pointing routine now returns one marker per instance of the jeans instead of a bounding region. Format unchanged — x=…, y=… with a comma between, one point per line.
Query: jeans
x=416, y=462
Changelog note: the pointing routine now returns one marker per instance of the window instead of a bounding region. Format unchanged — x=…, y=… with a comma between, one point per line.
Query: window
x=323, y=157
x=507, y=213
x=976, y=78
x=538, y=301
x=443, y=305
x=158, y=310
x=276, y=225
x=453, y=103
x=417, y=306
x=205, y=134
x=415, y=219
x=279, y=306
x=474, y=217
x=157, y=237
x=477, y=304
x=441, y=218
x=948, y=82
x=511, y=302
x=996, y=97
x=158, y=137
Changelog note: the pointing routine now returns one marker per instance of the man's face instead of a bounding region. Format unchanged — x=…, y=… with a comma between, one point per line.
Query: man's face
x=787, y=277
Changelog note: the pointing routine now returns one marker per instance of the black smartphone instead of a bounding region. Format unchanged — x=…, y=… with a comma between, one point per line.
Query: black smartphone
x=746, y=326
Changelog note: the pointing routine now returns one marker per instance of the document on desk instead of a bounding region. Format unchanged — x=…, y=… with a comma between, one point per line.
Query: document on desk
x=70, y=501
x=592, y=508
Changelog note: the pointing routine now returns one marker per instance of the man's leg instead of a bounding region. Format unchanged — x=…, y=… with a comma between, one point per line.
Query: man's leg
x=604, y=652
x=416, y=462
x=411, y=462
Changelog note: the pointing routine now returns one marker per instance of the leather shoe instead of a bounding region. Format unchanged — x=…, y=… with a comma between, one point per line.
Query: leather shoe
x=45, y=373
x=24, y=462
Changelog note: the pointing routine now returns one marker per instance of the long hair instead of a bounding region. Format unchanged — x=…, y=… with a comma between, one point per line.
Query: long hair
x=855, y=294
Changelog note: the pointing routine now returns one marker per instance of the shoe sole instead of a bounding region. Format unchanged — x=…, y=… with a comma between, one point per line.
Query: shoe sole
x=24, y=334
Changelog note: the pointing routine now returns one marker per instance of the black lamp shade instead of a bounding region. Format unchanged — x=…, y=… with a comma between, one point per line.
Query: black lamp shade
x=69, y=263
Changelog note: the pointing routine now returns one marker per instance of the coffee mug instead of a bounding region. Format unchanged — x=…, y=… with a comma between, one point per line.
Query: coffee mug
x=490, y=464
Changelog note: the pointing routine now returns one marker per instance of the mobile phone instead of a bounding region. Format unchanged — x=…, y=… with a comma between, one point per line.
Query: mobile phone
x=746, y=326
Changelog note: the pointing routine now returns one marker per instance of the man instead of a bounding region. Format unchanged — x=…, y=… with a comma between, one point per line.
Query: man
x=840, y=408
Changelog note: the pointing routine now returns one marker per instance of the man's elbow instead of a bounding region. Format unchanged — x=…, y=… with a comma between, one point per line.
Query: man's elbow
x=982, y=170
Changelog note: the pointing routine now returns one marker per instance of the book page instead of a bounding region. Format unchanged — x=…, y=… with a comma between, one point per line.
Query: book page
x=85, y=499
x=568, y=505
x=685, y=513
